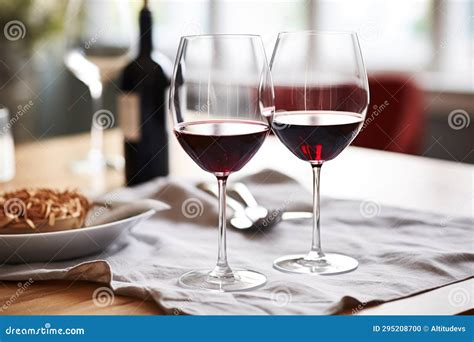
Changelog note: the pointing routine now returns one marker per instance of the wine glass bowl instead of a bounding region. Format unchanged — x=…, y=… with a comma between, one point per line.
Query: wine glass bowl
x=321, y=99
x=221, y=101
x=98, y=33
x=98, y=39
x=221, y=146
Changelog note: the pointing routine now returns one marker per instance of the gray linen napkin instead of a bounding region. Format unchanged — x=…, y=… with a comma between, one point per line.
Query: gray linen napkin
x=400, y=252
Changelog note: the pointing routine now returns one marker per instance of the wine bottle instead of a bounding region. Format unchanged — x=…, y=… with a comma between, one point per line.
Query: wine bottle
x=141, y=109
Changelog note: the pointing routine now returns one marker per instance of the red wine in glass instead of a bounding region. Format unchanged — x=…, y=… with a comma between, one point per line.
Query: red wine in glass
x=221, y=146
x=321, y=99
x=222, y=103
x=317, y=136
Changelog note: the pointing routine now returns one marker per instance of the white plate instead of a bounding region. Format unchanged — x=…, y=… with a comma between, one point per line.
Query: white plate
x=66, y=244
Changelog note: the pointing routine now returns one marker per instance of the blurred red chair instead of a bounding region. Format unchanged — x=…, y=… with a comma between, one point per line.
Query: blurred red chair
x=394, y=121
x=395, y=118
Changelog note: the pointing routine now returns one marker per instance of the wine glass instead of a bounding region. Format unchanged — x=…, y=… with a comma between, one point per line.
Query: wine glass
x=98, y=39
x=321, y=99
x=221, y=100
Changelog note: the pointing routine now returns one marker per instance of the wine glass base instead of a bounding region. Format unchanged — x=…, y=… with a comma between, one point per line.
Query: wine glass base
x=243, y=280
x=329, y=264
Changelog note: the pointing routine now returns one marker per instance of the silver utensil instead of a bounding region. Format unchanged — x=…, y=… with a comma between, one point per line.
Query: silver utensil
x=266, y=219
x=251, y=216
x=239, y=219
x=252, y=209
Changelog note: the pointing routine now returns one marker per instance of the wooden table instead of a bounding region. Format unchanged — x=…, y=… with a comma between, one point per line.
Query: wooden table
x=384, y=177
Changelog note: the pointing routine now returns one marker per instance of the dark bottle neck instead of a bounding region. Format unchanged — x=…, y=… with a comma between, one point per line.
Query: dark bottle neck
x=146, y=29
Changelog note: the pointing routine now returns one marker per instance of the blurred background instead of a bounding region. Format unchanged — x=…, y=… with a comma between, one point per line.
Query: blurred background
x=419, y=55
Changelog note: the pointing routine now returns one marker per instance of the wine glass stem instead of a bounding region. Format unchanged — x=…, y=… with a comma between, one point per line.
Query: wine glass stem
x=316, y=251
x=222, y=269
x=96, y=152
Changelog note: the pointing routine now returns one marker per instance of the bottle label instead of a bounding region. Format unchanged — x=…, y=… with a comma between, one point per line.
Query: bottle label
x=129, y=116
